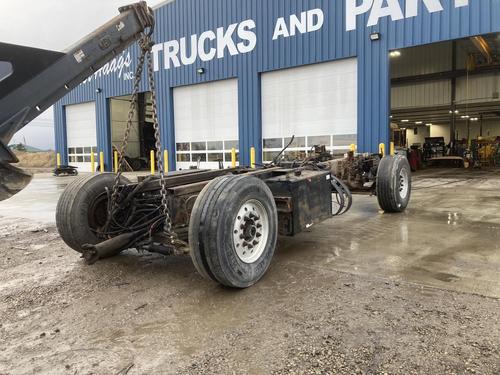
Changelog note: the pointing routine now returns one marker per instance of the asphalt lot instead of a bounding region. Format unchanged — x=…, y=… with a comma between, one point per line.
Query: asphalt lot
x=365, y=293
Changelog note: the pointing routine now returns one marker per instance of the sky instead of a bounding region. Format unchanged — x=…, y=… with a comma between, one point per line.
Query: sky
x=54, y=25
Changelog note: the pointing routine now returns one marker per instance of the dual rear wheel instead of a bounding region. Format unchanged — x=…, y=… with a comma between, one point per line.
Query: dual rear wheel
x=233, y=230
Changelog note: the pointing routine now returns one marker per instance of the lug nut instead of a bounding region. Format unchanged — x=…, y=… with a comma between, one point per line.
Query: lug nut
x=258, y=234
x=255, y=242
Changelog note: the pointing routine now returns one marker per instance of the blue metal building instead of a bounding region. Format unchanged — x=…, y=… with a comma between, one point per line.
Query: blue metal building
x=246, y=41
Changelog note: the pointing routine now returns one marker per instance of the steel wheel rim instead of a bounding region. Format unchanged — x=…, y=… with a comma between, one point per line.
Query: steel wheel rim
x=250, y=231
x=404, y=186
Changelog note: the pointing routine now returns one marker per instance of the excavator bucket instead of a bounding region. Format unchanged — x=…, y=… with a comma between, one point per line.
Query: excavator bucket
x=18, y=65
x=12, y=180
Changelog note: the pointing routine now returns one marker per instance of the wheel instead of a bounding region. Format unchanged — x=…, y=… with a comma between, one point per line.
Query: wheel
x=82, y=209
x=233, y=230
x=393, y=186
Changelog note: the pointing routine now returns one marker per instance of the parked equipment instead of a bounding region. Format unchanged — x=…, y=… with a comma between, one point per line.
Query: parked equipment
x=434, y=147
x=65, y=170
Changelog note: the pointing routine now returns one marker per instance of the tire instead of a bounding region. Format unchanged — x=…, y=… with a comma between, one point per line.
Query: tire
x=227, y=208
x=393, y=184
x=74, y=220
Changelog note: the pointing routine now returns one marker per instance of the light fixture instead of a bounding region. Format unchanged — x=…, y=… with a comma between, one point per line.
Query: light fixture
x=405, y=120
x=457, y=111
x=375, y=36
x=474, y=119
x=465, y=116
x=391, y=116
x=419, y=123
x=395, y=53
x=429, y=124
x=200, y=70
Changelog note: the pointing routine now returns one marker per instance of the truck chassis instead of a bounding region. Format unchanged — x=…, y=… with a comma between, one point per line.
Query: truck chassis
x=227, y=220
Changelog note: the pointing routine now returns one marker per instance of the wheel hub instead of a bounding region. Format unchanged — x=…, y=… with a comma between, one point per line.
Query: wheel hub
x=251, y=230
x=403, y=184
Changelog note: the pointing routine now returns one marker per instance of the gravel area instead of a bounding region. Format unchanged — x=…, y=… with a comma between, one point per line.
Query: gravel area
x=143, y=314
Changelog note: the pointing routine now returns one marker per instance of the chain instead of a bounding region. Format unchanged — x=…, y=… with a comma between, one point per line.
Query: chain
x=145, y=44
x=159, y=157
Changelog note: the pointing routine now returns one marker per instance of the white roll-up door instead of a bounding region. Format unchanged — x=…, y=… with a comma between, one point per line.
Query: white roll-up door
x=206, y=123
x=316, y=103
x=81, y=134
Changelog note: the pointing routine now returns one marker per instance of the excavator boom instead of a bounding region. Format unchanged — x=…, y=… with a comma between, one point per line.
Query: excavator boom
x=31, y=80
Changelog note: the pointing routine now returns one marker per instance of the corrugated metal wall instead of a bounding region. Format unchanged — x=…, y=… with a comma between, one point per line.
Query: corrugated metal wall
x=428, y=94
x=187, y=17
x=478, y=89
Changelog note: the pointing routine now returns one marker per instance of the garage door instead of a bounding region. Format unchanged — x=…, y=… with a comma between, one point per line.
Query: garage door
x=81, y=134
x=316, y=103
x=206, y=124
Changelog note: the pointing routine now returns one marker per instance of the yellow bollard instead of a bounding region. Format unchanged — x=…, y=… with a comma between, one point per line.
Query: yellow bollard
x=116, y=161
x=353, y=147
x=152, y=155
x=101, y=161
x=58, y=160
x=233, y=158
x=252, y=157
x=381, y=149
x=393, y=150
x=165, y=161
x=92, y=162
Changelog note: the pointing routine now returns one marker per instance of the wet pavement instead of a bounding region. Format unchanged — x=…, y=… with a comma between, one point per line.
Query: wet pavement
x=448, y=238
x=37, y=201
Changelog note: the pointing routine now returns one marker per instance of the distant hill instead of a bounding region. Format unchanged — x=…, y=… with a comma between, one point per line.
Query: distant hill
x=25, y=148
x=44, y=159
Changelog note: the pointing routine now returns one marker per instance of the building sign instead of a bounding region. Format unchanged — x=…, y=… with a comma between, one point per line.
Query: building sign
x=390, y=8
x=237, y=38
x=241, y=38
x=120, y=66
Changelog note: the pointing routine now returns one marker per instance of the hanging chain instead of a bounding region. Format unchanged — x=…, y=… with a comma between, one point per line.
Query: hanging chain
x=159, y=157
x=146, y=45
